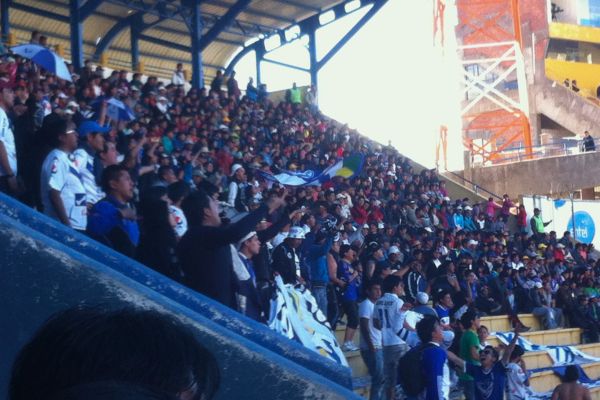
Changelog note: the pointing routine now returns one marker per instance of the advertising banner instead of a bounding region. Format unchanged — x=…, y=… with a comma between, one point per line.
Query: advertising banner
x=580, y=217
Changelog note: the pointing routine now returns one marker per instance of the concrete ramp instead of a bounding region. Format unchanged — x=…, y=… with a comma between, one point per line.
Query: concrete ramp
x=565, y=107
x=40, y=275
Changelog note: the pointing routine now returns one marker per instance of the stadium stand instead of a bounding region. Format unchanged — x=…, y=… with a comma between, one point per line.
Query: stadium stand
x=143, y=167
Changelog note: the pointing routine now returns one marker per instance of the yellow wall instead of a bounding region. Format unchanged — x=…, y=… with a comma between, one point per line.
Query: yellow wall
x=576, y=33
x=587, y=75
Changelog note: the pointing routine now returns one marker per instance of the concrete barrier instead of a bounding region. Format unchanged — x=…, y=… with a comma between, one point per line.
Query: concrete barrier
x=40, y=276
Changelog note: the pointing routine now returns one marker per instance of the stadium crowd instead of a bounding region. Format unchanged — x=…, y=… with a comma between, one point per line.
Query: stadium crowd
x=179, y=188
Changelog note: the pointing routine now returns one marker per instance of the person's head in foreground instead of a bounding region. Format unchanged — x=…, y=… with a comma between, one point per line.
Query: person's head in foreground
x=83, y=346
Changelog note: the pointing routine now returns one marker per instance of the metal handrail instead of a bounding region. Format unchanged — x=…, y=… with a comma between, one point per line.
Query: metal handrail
x=476, y=187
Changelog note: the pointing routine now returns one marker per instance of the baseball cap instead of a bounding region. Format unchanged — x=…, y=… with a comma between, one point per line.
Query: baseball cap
x=394, y=250
x=235, y=168
x=91, y=127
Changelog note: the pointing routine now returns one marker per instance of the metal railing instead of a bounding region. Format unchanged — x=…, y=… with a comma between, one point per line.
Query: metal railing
x=561, y=147
x=474, y=186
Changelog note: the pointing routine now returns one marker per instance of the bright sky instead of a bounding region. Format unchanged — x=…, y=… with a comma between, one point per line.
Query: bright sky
x=389, y=81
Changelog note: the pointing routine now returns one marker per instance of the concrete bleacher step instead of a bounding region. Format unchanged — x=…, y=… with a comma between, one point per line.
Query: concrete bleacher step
x=547, y=380
x=541, y=359
x=553, y=337
x=359, y=369
x=501, y=323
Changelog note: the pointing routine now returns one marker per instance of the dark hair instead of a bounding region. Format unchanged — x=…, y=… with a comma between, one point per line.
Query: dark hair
x=178, y=191
x=109, y=174
x=111, y=391
x=84, y=345
x=153, y=193
x=344, y=249
x=52, y=127
x=193, y=207
x=467, y=319
x=425, y=328
x=373, y=282
x=571, y=373
x=390, y=282
x=518, y=351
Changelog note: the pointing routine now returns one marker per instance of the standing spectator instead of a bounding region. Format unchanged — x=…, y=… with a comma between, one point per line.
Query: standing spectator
x=236, y=197
x=178, y=78
x=350, y=290
x=91, y=143
x=251, y=91
x=217, y=83
x=62, y=191
x=370, y=340
x=295, y=94
x=286, y=257
x=517, y=376
x=312, y=100
x=388, y=317
x=207, y=250
x=588, y=142
x=538, y=225
x=522, y=219
x=469, y=351
x=232, y=87
x=8, y=151
x=177, y=193
x=249, y=247
x=316, y=258
x=158, y=241
x=570, y=389
x=507, y=204
x=434, y=363
x=112, y=220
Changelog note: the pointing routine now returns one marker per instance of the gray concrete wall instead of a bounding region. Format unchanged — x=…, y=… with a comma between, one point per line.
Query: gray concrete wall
x=566, y=107
x=543, y=176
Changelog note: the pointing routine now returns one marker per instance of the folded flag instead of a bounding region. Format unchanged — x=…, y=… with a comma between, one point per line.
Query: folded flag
x=346, y=168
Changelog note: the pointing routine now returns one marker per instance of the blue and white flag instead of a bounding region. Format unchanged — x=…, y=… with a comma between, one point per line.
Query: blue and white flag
x=295, y=314
x=346, y=168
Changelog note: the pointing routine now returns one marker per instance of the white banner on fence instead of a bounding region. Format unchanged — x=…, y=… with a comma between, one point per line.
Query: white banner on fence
x=580, y=217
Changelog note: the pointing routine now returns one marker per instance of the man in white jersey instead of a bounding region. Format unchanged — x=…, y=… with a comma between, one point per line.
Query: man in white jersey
x=91, y=136
x=62, y=191
x=388, y=316
x=370, y=339
x=8, y=151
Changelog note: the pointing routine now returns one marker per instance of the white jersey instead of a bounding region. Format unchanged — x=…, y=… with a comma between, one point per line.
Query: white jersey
x=8, y=140
x=515, y=378
x=60, y=172
x=181, y=224
x=365, y=310
x=85, y=161
x=388, y=312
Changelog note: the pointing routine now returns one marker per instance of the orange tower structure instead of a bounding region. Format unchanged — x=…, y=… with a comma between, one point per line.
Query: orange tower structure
x=495, y=110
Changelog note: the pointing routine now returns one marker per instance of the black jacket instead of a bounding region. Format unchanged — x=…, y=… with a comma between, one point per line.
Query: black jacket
x=284, y=262
x=205, y=257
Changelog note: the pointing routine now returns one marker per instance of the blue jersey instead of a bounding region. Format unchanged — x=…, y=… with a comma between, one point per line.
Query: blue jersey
x=437, y=373
x=489, y=385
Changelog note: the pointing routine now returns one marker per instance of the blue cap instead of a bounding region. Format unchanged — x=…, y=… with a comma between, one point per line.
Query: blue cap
x=91, y=127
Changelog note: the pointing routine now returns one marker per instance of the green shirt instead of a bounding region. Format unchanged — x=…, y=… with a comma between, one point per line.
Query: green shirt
x=468, y=340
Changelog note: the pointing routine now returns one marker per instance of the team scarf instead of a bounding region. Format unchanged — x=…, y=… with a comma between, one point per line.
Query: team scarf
x=344, y=167
x=295, y=314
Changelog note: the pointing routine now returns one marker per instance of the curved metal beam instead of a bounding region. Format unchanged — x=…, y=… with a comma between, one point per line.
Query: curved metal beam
x=117, y=28
x=241, y=55
x=223, y=23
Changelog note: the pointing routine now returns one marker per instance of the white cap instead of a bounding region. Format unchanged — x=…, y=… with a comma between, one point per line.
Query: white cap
x=472, y=242
x=366, y=226
x=468, y=208
x=161, y=98
x=380, y=225
x=73, y=104
x=235, y=167
x=560, y=246
x=538, y=285
x=296, y=232
x=422, y=298
x=394, y=250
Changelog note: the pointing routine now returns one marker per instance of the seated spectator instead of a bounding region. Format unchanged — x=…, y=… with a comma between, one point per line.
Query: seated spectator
x=83, y=346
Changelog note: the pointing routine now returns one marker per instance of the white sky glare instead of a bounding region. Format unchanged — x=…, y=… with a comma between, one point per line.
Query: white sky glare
x=389, y=82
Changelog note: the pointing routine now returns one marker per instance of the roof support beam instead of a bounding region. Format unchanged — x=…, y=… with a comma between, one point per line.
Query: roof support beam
x=350, y=34
x=5, y=19
x=135, y=30
x=196, y=33
x=286, y=65
x=76, y=30
x=88, y=8
x=223, y=22
x=250, y=11
x=312, y=55
x=300, y=5
x=40, y=12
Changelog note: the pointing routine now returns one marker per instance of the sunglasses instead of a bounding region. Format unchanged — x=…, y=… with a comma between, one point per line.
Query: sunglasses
x=486, y=352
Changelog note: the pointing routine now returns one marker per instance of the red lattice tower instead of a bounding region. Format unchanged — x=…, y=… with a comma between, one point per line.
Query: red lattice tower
x=489, y=39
